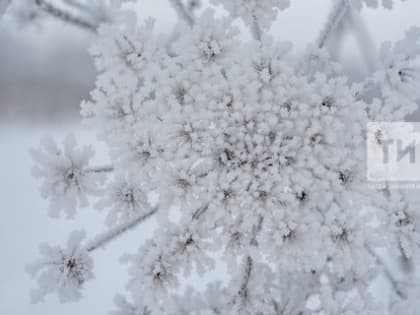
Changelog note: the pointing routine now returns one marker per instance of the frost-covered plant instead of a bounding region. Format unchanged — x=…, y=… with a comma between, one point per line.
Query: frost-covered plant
x=256, y=162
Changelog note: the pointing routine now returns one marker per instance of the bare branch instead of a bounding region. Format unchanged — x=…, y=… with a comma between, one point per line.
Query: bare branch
x=60, y=14
x=117, y=231
x=182, y=11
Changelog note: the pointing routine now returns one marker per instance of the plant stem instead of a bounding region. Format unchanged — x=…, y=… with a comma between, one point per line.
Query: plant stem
x=100, y=169
x=58, y=13
x=339, y=9
x=117, y=231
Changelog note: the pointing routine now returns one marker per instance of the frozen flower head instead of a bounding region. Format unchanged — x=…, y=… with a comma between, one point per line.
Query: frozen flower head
x=67, y=179
x=151, y=272
x=64, y=271
x=125, y=199
x=261, y=159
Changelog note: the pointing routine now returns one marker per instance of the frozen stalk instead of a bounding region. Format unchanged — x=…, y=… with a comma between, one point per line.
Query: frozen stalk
x=51, y=9
x=340, y=8
x=115, y=232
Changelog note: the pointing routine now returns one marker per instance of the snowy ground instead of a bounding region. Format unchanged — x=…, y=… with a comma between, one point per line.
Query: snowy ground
x=25, y=224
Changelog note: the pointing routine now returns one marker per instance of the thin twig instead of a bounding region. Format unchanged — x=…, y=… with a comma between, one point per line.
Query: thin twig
x=334, y=18
x=60, y=14
x=114, y=233
x=182, y=11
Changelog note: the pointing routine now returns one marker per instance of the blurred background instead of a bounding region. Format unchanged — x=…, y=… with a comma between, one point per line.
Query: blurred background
x=46, y=71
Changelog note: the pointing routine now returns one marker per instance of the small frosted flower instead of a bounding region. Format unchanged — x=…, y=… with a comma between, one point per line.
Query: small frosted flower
x=130, y=51
x=291, y=242
x=136, y=150
x=189, y=247
x=404, y=222
x=186, y=185
x=67, y=179
x=125, y=199
x=347, y=241
x=401, y=73
x=208, y=41
x=152, y=272
x=64, y=270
